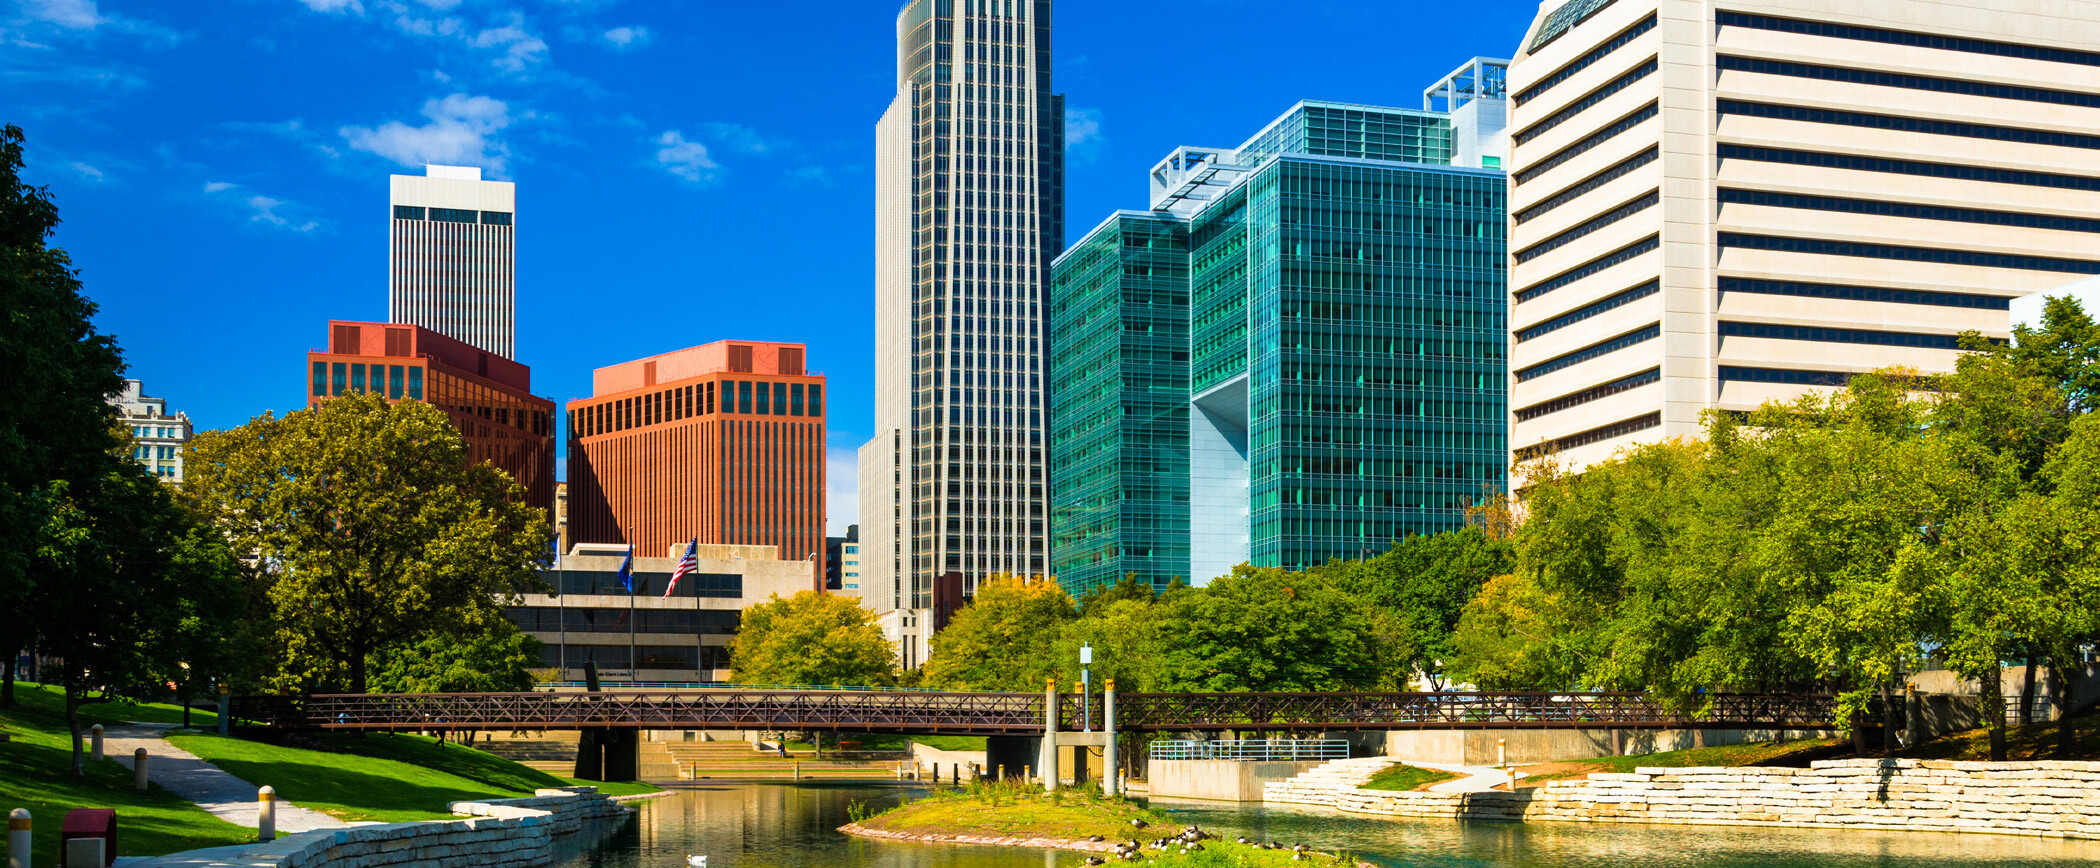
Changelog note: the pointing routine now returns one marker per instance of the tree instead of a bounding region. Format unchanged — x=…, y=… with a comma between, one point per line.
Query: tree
x=1005, y=639
x=492, y=656
x=56, y=423
x=1418, y=589
x=1264, y=629
x=375, y=530
x=1126, y=638
x=811, y=638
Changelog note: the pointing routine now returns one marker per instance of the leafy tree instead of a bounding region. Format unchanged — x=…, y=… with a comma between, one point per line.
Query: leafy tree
x=56, y=423
x=374, y=528
x=811, y=638
x=495, y=658
x=1005, y=639
x=1264, y=629
x=1126, y=588
x=1127, y=641
x=1419, y=588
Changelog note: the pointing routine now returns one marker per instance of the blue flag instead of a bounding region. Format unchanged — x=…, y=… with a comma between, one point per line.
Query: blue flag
x=627, y=571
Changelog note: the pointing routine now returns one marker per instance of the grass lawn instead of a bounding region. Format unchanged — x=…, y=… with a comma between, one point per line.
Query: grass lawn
x=1406, y=778
x=1013, y=810
x=2032, y=742
x=951, y=742
x=1796, y=754
x=35, y=773
x=386, y=777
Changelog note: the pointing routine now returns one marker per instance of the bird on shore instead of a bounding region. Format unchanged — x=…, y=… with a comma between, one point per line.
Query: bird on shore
x=1241, y=840
x=1095, y=838
x=1094, y=860
x=696, y=861
x=1139, y=824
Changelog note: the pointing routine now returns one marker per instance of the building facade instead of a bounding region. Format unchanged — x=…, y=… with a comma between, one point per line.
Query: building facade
x=842, y=562
x=969, y=208
x=1296, y=355
x=452, y=256
x=1717, y=203
x=723, y=442
x=644, y=636
x=488, y=397
x=158, y=437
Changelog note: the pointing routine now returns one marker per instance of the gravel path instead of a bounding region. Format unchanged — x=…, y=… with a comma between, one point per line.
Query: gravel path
x=212, y=788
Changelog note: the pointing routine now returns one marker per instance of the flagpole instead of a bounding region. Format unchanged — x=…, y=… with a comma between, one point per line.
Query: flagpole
x=634, y=666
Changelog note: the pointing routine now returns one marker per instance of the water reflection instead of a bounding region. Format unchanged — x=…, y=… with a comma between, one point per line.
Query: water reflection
x=772, y=826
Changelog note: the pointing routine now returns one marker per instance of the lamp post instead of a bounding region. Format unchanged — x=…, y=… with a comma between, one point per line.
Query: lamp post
x=1086, y=695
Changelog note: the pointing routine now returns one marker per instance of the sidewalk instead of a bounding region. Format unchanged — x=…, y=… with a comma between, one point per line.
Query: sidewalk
x=180, y=772
x=1478, y=779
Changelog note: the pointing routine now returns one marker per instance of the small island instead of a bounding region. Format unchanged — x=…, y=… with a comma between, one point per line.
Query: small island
x=1015, y=815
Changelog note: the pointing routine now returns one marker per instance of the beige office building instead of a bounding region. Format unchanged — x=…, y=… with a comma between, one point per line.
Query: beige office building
x=1715, y=203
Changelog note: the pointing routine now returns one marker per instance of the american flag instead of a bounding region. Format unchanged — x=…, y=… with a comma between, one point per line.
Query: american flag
x=686, y=566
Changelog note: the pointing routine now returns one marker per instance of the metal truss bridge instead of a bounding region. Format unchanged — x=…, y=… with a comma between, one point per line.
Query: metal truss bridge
x=1019, y=714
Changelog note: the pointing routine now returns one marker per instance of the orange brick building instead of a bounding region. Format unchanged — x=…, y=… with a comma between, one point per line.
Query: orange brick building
x=723, y=441
x=488, y=397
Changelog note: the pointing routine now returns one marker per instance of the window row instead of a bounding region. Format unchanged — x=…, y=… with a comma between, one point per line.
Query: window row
x=714, y=585
x=1908, y=82
x=392, y=381
x=1908, y=124
x=1586, y=269
x=452, y=215
x=1904, y=37
x=1616, y=171
x=1909, y=167
x=618, y=619
x=1615, y=300
x=1652, y=375
x=2021, y=219
x=1586, y=143
x=1570, y=359
x=699, y=399
x=1864, y=293
x=1594, y=435
x=1842, y=336
x=1934, y=255
x=1586, y=227
x=1602, y=93
x=1732, y=374
x=1581, y=63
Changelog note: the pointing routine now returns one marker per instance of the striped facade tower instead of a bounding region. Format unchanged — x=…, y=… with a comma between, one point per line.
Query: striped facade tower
x=452, y=256
x=723, y=442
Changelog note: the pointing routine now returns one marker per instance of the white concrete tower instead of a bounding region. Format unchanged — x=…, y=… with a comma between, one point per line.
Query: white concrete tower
x=969, y=211
x=452, y=256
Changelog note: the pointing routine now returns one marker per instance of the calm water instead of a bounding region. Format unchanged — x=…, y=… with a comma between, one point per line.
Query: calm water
x=761, y=826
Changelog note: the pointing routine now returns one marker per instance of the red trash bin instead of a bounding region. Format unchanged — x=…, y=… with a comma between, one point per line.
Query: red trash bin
x=90, y=823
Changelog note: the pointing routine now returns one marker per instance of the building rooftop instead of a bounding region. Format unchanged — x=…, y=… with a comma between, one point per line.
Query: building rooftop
x=400, y=340
x=720, y=357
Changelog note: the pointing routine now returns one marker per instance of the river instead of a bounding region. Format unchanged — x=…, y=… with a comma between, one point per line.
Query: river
x=774, y=826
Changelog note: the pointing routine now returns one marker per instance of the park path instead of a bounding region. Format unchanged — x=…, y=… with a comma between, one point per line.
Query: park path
x=1478, y=779
x=185, y=774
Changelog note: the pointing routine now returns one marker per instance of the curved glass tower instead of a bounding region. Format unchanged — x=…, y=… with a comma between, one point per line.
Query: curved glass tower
x=969, y=209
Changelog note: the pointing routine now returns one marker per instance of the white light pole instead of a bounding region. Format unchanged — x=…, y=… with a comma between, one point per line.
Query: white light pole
x=1086, y=695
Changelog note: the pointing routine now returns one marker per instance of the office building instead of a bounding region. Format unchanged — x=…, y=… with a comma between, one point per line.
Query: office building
x=842, y=562
x=722, y=442
x=452, y=256
x=1717, y=203
x=158, y=437
x=643, y=636
x=488, y=397
x=969, y=192
x=1295, y=355
x=2027, y=310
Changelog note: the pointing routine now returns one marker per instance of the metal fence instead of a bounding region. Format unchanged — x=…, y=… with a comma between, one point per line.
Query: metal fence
x=1253, y=750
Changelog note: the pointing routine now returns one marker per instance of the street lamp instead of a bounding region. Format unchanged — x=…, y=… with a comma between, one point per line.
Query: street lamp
x=1086, y=692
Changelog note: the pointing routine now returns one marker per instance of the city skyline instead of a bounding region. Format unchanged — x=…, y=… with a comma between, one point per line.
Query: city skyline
x=264, y=188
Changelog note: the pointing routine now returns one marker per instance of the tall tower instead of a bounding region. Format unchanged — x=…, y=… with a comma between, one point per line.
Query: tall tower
x=451, y=257
x=969, y=209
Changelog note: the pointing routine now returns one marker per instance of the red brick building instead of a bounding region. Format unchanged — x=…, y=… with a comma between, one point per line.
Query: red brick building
x=723, y=441
x=488, y=397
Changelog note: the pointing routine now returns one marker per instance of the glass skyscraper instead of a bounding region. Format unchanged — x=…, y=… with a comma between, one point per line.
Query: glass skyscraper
x=1330, y=298
x=969, y=208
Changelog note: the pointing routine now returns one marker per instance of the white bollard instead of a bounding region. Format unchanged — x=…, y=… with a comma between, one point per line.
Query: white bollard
x=138, y=769
x=266, y=814
x=1501, y=753
x=95, y=742
x=18, y=838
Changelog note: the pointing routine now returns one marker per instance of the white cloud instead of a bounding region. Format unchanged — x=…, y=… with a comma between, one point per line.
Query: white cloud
x=263, y=210
x=521, y=48
x=737, y=137
x=623, y=38
x=1083, y=138
x=841, y=489
x=70, y=14
x=335, y=6
x=218, y=186
x=462, y=131
x=688, y=160
x=89, y=172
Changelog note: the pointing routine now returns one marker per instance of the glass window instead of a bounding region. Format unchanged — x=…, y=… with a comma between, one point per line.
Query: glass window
x=320, y=378
x=393, y=381
x=415, y=382
x=795, y=396
x=707, y=399
x=763, y=404
x=408, y=212
x=816, y=399
x=495, y=218
x=780, y=399
x=743, y=396
x=341, y=377
x=357, y=378
x=453, y=215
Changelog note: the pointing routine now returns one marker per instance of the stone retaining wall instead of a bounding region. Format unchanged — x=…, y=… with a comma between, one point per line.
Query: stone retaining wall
x=2055, y=799
x=500, y=833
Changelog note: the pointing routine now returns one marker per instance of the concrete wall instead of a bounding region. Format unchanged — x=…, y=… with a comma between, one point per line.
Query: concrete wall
x=501, y=833
x=1477, y=747
x=2046, y=798
x=1222, y=780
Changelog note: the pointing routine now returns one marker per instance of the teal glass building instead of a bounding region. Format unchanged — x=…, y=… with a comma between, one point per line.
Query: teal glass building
x=1327, y=304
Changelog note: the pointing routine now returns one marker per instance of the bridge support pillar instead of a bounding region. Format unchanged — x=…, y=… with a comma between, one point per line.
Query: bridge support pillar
x=1046, y=759
x=1111, y=765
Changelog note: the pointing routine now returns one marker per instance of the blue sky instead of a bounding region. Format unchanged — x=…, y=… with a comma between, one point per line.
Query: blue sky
x=687, y=172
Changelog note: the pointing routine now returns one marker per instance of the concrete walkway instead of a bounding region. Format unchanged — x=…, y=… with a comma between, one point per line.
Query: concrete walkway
x=1478, y=779
x=180, y=772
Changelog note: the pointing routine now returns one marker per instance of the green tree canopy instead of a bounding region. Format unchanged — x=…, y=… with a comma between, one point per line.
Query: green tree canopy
x=811, y=638
x=1418, y=589
x=1005, y=639
x=493, y=656
x=1260, y=629
x=373, y=527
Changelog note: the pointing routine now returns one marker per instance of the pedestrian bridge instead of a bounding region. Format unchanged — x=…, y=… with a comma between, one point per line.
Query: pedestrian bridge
x=1019, y=714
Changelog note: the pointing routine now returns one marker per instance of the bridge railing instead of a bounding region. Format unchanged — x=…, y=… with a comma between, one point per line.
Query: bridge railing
x=1448, y=710
x=1252, y=749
